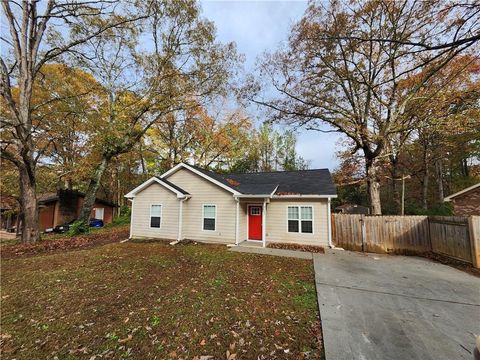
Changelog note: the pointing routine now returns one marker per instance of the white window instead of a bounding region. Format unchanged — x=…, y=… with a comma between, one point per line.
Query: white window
x=155, y=216
x=255, y=210
x=99, y=213
x=300, y=219
x=209, y=217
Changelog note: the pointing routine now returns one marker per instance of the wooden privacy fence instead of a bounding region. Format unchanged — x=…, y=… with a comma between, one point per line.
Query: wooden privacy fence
x=454, y=236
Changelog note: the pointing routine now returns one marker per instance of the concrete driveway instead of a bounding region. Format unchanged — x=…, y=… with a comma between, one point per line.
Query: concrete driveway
x=395, y=307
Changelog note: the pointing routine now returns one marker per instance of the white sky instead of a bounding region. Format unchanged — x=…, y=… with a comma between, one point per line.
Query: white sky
x=258, y=26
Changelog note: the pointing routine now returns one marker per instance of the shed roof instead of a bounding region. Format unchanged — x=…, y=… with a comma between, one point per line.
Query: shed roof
x=54, y=196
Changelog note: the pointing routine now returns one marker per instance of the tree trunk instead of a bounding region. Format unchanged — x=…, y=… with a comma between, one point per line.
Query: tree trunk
x=424, y=180
x=68, y=183
x=439, y=168
x=373, y=183
x=29, y=206
x=425, y=189
x=396, y=193
x=91, y=193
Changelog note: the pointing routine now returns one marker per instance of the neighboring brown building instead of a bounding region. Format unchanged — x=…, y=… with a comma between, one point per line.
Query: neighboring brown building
x=65, y=205
x=9, y=210
x=467, y=201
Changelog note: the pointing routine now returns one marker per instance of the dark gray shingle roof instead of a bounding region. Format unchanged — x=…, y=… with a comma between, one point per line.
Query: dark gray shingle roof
x=301, y=182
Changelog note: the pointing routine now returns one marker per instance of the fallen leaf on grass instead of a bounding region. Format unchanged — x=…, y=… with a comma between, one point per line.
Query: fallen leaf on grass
x=128, y=338
x=231, y=356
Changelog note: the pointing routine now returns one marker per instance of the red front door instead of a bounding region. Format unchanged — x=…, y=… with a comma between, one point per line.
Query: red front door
x=254, y=222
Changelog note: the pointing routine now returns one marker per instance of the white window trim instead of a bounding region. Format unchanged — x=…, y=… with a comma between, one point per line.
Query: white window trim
x=256, y=207
x=300, y=220
x=150, y=218
x=215, y=218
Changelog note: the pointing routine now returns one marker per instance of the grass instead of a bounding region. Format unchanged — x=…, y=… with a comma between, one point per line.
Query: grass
x=149, y=299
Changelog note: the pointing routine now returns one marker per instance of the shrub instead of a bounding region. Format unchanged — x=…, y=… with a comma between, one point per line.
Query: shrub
x=125, y=211
x=121, y=220
x=78, y=228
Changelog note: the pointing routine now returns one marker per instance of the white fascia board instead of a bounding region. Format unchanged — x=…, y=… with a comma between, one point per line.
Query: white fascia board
x=450, y=197
x=199, y=173
x=241, y=196
x=172, y=170
x=150, y=181
x=304, y=196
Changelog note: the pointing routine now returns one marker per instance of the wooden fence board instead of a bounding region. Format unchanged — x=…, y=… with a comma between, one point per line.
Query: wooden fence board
x=348, y=231
x=450, y=236
x=446, y=235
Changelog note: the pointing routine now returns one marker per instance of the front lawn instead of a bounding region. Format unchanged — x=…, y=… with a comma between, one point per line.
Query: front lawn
x=145, y=300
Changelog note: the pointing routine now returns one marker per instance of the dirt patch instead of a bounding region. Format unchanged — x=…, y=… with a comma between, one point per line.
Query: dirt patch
x=99, y=237
x=298, y=247
x=152, y=300
x=458, y=264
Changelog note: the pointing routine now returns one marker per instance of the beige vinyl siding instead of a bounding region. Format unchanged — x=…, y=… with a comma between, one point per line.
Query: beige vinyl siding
x=205, y=193
x=277, y=230
x=243, y=235
x=155, y=194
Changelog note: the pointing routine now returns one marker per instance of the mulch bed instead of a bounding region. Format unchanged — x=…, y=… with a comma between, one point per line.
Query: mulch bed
x=101, y=237
x=298, y=247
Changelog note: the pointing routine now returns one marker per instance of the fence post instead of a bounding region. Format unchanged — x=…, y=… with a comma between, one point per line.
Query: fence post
x=474, y=231
x=364, y=232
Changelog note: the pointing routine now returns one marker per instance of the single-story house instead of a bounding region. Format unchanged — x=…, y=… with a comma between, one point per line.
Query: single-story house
x=352, y=209
x=467, y=201
x=64, y=206
x=9, y=211
x=188, y=202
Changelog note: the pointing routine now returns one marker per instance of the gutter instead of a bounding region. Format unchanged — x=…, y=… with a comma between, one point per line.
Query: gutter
x=329, y=224
x=131, y=217
x=180, y=219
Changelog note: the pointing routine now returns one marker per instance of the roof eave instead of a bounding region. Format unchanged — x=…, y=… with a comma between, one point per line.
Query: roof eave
x=150, y=181
x=304, y=196
x=461, y=192
x=199, y=173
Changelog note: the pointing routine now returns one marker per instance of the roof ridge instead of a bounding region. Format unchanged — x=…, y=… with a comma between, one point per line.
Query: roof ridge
x=255, y=172
x=273, y=172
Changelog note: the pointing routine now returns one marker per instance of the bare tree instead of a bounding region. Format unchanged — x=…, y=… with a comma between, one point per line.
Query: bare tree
x=39, y=33
x=345, y=61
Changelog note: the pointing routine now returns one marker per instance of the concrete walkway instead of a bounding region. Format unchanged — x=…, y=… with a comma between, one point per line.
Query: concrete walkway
x=274, y=252
x=395, y=307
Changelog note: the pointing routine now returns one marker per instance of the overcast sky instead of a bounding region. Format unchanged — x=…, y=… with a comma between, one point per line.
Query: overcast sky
x=258, y=26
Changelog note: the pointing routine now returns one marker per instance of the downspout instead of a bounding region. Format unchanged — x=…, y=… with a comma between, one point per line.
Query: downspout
x=180, y=221
x=329, y=224
x=264, y=223
x=131, y=218
x=237, y=220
